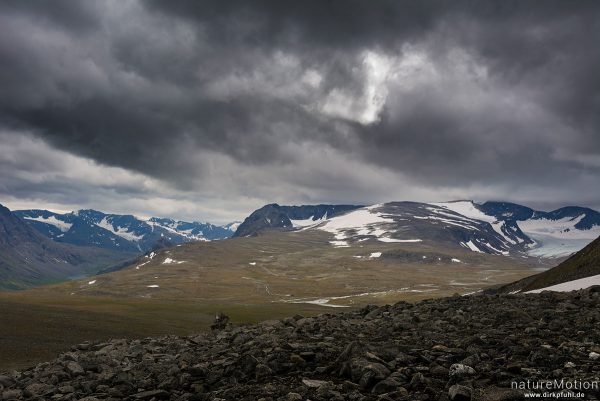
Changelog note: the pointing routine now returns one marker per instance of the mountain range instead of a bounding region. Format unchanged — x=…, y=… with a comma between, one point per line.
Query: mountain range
x=101, y=242
x=40, y=246
x=118, y=232
x=500, y=228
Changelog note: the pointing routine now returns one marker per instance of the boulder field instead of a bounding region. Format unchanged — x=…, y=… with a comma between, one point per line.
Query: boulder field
x=458, y=348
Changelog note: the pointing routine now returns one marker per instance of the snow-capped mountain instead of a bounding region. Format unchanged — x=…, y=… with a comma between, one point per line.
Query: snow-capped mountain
x=274, y=216
x=558, y=233
x=581, y=270
x=29, y=258
x=233, y=226
x=492, y=227
x=120, y=232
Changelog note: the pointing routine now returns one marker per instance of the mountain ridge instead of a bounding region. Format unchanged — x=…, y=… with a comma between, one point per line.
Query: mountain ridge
x=90, y=227
x=518, y=229
x=274, y=216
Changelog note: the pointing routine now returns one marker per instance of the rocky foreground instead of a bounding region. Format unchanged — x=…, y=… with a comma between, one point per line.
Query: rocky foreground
x=460, y=348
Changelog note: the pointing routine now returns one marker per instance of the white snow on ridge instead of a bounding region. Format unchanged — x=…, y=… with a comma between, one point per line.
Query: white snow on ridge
x=53, y=221
x=467, y=209
x=363, y=221
x=553, y=238
x=570, y=285
x=119, y=231
x=234, y=226
x=375, y=255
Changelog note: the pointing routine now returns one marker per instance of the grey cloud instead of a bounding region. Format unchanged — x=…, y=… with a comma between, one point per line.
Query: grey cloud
x=431, y=93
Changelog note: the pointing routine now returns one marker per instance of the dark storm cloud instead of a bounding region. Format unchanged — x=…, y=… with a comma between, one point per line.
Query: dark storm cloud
x=440, y=93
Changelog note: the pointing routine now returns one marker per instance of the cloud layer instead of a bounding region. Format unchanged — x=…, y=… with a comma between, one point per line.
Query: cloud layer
x=210, y=109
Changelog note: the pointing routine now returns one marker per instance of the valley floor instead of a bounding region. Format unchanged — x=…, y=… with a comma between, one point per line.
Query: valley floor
x=179, y=290
x=36, y=330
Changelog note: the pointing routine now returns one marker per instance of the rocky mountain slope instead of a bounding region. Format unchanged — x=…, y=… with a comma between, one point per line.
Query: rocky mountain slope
x=29, y=258
x=274, y=216
x=118, y=232
x=493, y=227
x=579, y=271
x=459, y=349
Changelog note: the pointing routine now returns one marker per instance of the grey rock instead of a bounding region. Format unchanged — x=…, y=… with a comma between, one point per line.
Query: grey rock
x=74, y=369
x=459, y=370
x=294, y=397
x=12, y=394
x=152, y=394
x=336, y=357
x=460, y=393
x=388, y=385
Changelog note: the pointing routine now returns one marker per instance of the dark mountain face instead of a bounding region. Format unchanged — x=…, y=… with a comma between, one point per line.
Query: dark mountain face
x=28, y=258
x=274, y=216
x=267, y=217
x=317, y=212
x=591, y=217
x=512, y=212
x=506, y=210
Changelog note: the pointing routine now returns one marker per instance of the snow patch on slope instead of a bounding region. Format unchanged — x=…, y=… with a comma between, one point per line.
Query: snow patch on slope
x=386, y=239
x=471, y=246
x=119, y=231
x=308, y=222
x=53, y=221
x=174, y=229
x=563, y=228
x=467, y=209
x=362, y=222
x=573, y=285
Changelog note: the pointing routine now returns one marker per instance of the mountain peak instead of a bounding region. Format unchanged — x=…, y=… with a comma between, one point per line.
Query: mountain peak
x=274, y=216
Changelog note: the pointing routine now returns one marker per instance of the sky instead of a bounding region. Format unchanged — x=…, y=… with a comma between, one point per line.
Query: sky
x=207, y=110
